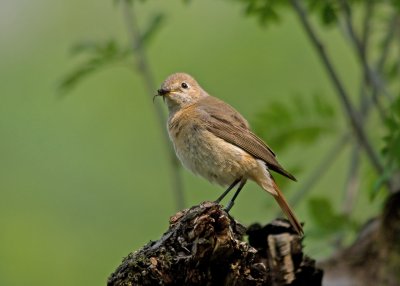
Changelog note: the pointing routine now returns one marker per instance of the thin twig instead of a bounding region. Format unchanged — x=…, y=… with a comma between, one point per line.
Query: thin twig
x=352, y=179
x=352, y=182
x=365, y=104
x=391, y=31
x=343, y=95
x=393, y=25
x=368, y=101
x=365, y=36
x=143, y=69
x=397, y=22
x=371, y=75
x=366, y=26
x=361, y=49
x=351, y=190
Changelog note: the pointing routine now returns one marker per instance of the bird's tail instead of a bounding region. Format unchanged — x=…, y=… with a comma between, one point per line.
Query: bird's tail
x=280, y=199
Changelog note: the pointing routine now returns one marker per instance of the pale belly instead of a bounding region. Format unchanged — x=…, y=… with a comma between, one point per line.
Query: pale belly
x=211, y=157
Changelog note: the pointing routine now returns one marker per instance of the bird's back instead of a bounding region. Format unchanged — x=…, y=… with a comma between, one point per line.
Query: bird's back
x=221, y=111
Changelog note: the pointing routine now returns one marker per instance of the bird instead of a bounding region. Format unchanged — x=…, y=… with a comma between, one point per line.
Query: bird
x=215, y=141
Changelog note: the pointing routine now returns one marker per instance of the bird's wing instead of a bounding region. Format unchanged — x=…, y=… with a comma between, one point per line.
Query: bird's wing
x=226, y=123
x=226, y=113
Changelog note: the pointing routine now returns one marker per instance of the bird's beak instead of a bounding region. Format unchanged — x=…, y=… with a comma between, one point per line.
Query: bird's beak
x=161, y=92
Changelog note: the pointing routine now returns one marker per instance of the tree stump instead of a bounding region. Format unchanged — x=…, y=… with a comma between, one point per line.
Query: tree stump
x=204, y=246
x=374, y=257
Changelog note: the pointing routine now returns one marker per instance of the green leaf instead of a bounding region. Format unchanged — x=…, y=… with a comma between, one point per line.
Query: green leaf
x=97, y=55
x=396, y=4
x=391, y=149
x=327, y=11
x=329, y=14
x=84, y=47
x=265, y=10
x=392, y=71
x=326, y=219
x=380, y=182
x=73, y=78
x=301, y=121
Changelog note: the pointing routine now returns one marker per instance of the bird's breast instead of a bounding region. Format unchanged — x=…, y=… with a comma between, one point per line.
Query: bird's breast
x=205, y=154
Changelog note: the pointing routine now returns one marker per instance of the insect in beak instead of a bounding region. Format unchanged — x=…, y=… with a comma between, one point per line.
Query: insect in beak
x=161, y=92
x=154, y=97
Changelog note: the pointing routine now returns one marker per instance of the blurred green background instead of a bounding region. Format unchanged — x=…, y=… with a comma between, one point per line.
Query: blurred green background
x=84, y=178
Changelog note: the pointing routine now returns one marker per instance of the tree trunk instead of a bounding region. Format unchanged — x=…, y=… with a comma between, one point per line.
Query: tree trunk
x=374, y=257
x=204, y=246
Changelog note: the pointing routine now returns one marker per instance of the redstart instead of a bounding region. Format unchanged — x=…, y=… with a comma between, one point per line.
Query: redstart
x=213, y=140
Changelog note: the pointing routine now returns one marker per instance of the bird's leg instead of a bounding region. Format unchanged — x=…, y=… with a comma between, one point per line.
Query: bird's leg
x=232, y=201
x=227, y=191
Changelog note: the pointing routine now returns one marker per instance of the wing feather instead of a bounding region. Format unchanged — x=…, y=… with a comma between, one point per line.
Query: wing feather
x=233, y=128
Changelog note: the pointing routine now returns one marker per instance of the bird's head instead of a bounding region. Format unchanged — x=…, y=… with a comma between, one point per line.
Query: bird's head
x=180, y=90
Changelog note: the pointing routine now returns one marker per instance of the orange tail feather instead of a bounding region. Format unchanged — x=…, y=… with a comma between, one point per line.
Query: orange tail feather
x=280, y=199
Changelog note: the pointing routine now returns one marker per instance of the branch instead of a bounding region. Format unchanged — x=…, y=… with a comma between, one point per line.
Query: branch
x=391, y=31
x=372, y=76
x=205, y=246
x=341, y=92
x=143, y=69
x=366, y=25
x=352, y=182
x=368, y=101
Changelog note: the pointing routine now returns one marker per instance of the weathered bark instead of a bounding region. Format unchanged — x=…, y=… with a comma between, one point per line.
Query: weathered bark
x=204, y=246
x=374, y=258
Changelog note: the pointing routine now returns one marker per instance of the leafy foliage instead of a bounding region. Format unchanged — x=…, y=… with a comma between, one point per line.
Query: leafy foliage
x=392, y=140
x=396, y=4
x=303, y=121
x=326, y=219
x=265, y=10
x=327, y=11
x=391, y=149
x=270, y=11
x=99, y=55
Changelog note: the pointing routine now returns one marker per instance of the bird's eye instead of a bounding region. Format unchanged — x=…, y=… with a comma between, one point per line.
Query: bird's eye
x=184, y=85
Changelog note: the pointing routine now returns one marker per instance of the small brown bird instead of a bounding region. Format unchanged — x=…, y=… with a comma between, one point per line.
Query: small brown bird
x=214, y=141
